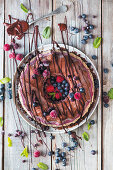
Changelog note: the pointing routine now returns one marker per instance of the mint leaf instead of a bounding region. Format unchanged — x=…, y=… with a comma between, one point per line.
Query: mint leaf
x=51, y=94
x=89, y=125
x=25, y=152
x=9, y=142
x=110, y=93
x=97, y=42
x=5, y=80
x=42, y=166
x=85, y=136
x=24, y=8
x=1, y=121
x=46, y=32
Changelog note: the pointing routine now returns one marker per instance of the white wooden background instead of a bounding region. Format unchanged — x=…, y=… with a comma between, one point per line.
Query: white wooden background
x=101, y=134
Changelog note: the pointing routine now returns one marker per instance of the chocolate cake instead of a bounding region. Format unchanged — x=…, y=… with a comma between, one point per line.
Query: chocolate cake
x=56, y=88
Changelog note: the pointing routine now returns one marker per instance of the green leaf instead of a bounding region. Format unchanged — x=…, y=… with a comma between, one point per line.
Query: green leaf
x=9, y=142
x=97, y=42
x=89, y=126
x=5, y=80
x=1, y=121
x=51, y=94
x=110, y=93
x=24, y=8
x=42, y=166
x=25, y=152
x=85, y=136
x=46, y=32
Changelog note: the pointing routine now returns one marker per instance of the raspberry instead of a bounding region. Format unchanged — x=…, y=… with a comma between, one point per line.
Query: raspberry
x=58, y=96
x=50, y=88
x=36, y=153
x=53, y=114
x=19, y=57
x=12, y=55
x=77, y=96
x=7, y=47
x=59, y=79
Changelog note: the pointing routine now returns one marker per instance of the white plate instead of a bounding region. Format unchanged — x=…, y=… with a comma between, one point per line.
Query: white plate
x=15, y=87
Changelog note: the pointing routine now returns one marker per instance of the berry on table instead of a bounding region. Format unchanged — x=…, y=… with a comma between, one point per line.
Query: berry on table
x=50, y=153
x=90, y=36
x=72, y=148
x=91, y=27
x=83, y=41
x=72, y=28
x=58, y=149
x=75, y=144
x=57, y=154
x=33, y=168
x=86, y=32
x=83, y=15
x=63, y=154
x=94, y=57
x=92, y=122
x=64, y=160
x=19, y=57
x=7, y=47
x=93, y=152
x=9, y=85
x=77, y=30
x=52, y=137
x=57, y=161
x=36, y=154
x=72, y=139
x=12, y=55
x=64, y=163
x=10, y=96
x=106, y=70
x=105, y=93
x=64, y=144
x=69, y=148
x=106, y=105
x=69, y=132
x=1, y=98
x=85, y=37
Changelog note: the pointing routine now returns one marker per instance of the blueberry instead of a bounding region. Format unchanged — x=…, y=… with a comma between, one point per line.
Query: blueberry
x=91, y=27
x=106, y=70
x=66, y=88
x=75, y=144
x=82, y=90
x=52, y=137
x=92, y=122
x=106, y=105
x=64, y=81
x=62, y=85
x=64, y=163
x=67, y=85
x=105, y=93
x=93, y=152
x=50, y=153
x=56, y=161
x=59, y=88
x=77, y=30
x=1, y=91
x=9, y=85
x=35, y=104
x=88, y=64
x=57, y=154
x=72, y=148
x=64, y=160
x=64, y=144
x=85, y=37
x=63, y=154
x=94, y=57
x=68, y=148
x=66, y=93
x=61, y=91
x=72, y=28
x=55, y=84
x=59, y=158
x=90, y=36
x=2, y=86
x=69, y=132
x=83, y=15
x=58, y=149
x=59, y=84
x=2, y=98
x=72, y=139
x=86, y=32
x=83, y=41
x=10, y=96
x=44, y=114
x=10, y=91
x=33, y=168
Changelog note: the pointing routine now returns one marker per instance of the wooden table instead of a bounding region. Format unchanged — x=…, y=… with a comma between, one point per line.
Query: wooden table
x=101, y=134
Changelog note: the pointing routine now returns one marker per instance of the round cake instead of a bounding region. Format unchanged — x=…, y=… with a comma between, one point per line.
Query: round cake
x=56, y=88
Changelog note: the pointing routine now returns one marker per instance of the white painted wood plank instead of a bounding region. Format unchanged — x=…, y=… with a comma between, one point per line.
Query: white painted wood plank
x=12, y=155
x=1, y=69
x=107, y=51
x=83, y=159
